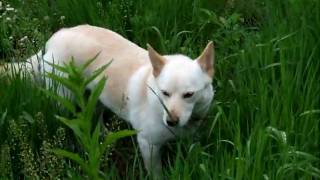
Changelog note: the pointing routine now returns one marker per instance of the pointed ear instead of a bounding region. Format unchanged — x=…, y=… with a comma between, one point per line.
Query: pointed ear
x=157, y=61
x=206, y=59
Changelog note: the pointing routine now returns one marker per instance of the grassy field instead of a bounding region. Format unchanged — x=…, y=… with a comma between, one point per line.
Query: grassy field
x=263, y=124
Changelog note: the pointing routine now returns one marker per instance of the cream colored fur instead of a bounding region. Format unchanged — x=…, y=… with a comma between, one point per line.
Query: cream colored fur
x=133, y=76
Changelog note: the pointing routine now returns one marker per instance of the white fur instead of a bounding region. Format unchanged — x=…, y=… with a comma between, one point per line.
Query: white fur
x=131, y=74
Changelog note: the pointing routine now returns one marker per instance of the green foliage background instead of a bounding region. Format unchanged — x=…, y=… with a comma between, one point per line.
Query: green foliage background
x=264, y=122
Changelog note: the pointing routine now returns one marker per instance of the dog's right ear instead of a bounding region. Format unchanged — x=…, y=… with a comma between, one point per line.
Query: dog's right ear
x=157, y=61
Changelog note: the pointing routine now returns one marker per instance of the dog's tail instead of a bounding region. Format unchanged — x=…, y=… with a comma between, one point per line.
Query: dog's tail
x=31, y=65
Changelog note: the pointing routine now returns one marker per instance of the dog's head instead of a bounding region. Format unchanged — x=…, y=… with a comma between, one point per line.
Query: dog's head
x=184, y=84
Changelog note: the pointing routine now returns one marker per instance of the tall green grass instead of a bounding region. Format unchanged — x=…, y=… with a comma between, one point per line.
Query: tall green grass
x=264, y=122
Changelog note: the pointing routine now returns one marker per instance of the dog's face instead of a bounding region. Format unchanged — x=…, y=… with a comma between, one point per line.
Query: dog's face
x=184, y=84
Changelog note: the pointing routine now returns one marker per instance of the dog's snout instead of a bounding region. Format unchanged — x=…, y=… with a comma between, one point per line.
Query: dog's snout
x=173, y=119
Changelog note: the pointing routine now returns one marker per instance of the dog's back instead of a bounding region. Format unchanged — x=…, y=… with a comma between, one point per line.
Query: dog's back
x=84, y=42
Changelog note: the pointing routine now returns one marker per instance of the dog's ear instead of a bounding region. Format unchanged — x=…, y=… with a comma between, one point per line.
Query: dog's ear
x=206, y=59
x=157, y=61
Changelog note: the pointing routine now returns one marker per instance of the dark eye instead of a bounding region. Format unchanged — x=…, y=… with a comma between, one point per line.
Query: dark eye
x=165, y=93
x=188, y=94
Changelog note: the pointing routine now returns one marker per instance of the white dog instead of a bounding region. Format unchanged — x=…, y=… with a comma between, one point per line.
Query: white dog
x=156, y=94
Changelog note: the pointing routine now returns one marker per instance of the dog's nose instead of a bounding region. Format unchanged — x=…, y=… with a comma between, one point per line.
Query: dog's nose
x=173, y=120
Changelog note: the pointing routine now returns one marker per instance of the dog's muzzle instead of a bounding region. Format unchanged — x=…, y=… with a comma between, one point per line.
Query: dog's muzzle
x=172, y=123
x=172, y=120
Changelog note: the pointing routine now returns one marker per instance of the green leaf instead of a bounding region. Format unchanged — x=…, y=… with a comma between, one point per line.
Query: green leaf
x=75, y=125
x=58, y=67
x=95, y=140
x=94, y=96
x=75, y=74
x=64, y=101
x=95, y=151
x=96, y=73
x=3, y=117
x=73, y=156
x=27, y=117
x=62, y=80
x=85, y=65
x=77, y=92
x=114, y=136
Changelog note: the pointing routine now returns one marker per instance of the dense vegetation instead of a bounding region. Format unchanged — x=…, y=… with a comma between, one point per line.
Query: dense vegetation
x=264, y=122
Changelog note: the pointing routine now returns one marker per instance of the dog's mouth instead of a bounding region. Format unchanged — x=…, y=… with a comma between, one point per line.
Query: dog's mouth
x=172, y=123
x=169, y=121
x=193, y=121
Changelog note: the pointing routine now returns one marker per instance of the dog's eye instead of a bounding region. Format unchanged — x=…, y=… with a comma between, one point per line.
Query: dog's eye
x=165, y=93
x=188, y=94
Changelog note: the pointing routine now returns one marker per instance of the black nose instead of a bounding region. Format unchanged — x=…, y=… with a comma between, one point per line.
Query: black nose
x=172, y=123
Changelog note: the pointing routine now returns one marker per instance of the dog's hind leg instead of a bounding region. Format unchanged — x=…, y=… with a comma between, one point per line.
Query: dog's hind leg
x=31, y=65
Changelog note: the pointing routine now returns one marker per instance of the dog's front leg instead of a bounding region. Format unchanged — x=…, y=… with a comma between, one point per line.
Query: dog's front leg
x=151, y=156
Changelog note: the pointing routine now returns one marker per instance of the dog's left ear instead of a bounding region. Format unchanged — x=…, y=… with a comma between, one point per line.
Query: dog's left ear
x=157, y=61
x=206, y=59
